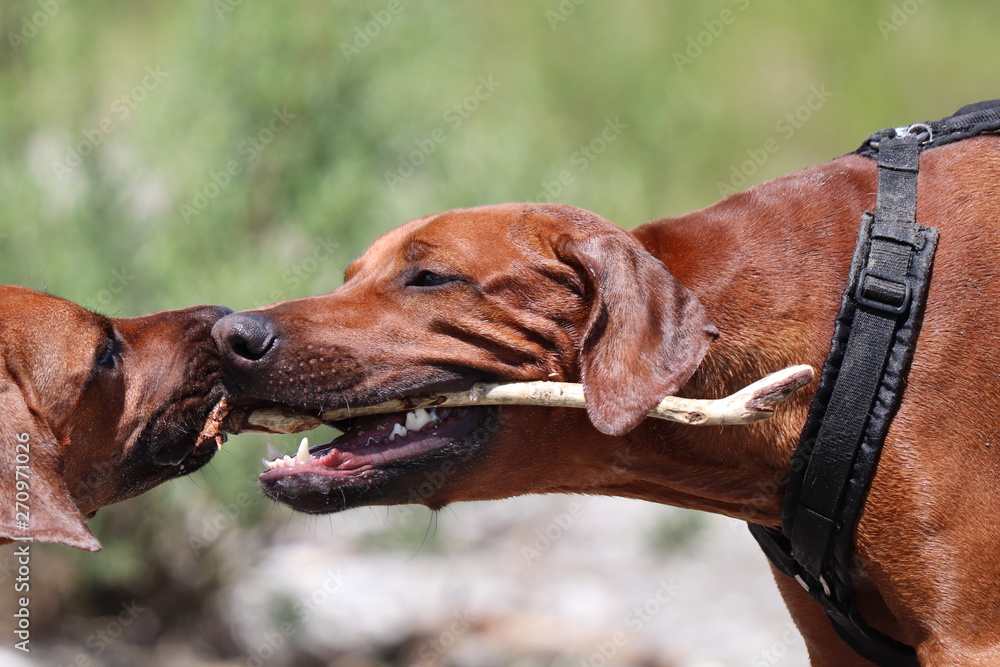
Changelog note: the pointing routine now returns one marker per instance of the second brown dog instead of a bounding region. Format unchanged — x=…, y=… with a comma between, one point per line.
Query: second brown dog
x=94, y=410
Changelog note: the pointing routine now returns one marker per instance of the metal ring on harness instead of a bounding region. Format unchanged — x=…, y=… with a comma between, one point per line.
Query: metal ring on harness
x=913, y=131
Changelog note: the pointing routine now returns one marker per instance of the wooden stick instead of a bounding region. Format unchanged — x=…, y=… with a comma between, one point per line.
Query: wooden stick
x=213, y=428
x=751, y=404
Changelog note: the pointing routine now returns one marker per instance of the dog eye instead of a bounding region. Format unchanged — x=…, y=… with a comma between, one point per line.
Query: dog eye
x=109, y=356
x=430, y=279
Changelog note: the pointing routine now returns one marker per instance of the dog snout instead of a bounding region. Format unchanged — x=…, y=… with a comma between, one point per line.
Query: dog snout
x=245, y=338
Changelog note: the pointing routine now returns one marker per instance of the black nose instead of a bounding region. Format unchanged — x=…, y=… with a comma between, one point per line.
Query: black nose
x=245, y=337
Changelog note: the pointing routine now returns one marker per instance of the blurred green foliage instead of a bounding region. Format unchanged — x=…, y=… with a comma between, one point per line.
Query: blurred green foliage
x=159, y=154
x=147, y=146
x=675, y=531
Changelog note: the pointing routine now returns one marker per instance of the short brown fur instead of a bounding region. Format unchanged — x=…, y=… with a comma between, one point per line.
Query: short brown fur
x=85, y=425
x=552, y=292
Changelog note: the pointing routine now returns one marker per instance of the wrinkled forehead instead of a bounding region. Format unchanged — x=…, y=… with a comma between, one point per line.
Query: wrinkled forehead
x=477, y=239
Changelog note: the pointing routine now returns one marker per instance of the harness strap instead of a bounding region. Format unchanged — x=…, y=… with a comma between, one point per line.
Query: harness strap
x=861, y=388
x=862, y=382
x=888, y=284
x=969, y=121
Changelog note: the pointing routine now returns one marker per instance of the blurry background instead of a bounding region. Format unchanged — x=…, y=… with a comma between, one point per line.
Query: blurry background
x=157, y=155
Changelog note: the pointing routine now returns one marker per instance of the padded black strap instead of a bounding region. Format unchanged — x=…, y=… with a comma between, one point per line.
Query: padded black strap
x=887, y=293
x=969, y=121
x=839, y=605
x=862, y=382
x=860, y=389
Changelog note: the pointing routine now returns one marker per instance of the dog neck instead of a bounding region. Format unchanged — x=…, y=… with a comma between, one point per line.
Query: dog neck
x=779, y=245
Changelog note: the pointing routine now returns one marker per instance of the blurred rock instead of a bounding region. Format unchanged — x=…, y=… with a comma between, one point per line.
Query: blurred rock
x=541, y=578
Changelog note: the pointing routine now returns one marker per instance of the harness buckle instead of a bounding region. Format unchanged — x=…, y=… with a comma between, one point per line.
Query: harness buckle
x=892, y=294
x=822, y=580
x=921, y=130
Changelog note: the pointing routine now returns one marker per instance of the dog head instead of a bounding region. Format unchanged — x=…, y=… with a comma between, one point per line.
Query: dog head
x=500, y=293
x=95, y=410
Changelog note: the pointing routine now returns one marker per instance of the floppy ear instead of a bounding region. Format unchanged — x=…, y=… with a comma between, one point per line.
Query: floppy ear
x=646, y=333
x=34, y=500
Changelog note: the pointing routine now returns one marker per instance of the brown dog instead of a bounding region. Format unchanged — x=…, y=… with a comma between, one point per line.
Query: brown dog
x=96, y=410
x=698, y=305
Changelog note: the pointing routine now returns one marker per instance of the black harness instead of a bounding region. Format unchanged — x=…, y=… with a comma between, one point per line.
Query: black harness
x=862, y=383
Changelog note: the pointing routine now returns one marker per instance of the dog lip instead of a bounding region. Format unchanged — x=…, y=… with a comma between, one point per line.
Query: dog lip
x=180, y=449
x=173, y=452
x=461, y=383
x=171, y=440
x=247, y=399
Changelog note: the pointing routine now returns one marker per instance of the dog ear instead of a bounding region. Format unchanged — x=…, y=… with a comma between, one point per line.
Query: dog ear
x=646, y=333
x=34, y=500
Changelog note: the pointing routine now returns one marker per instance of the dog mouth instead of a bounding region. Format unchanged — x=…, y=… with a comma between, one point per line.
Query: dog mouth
x=374, y=460
x=166, y=448
x=182, y=453
x=173, y=438
x=376, y=440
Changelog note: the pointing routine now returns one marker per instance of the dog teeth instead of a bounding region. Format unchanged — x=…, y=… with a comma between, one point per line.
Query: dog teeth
x=287, y=461
x=415, y=420
x=272, y=451
x=418, y=419
x=303, y=454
